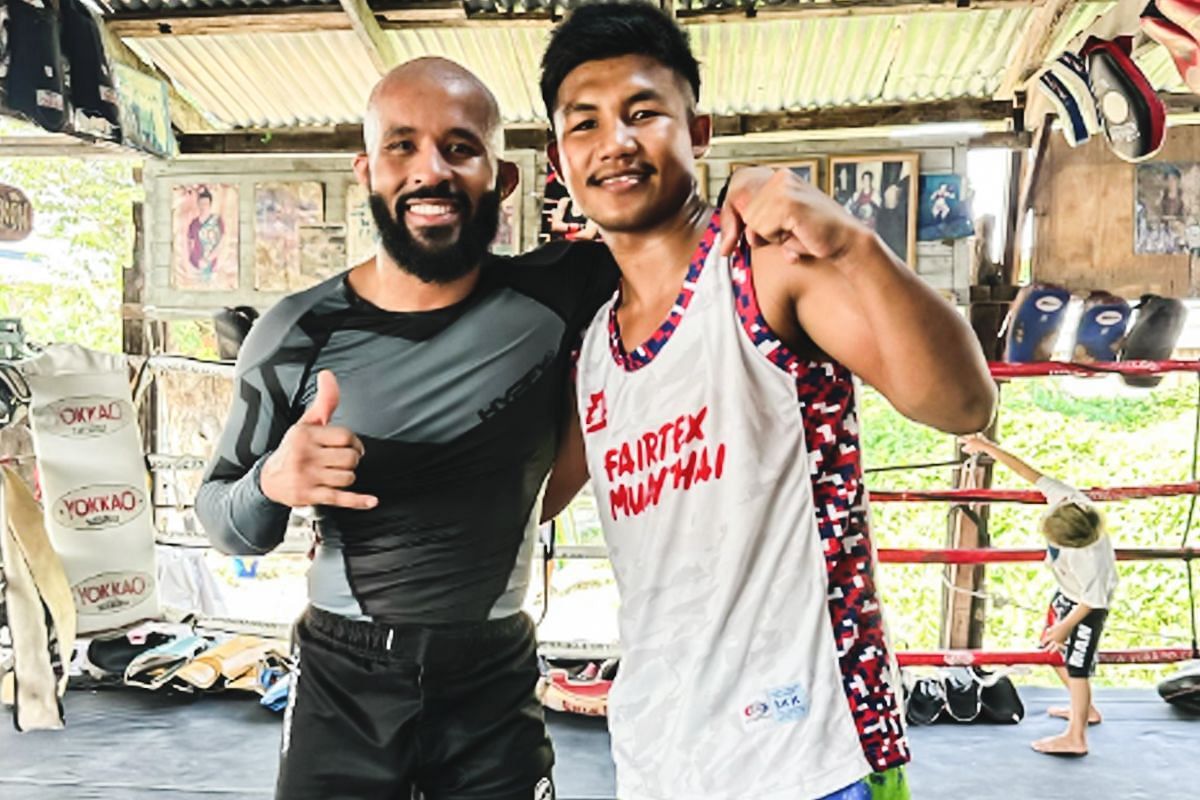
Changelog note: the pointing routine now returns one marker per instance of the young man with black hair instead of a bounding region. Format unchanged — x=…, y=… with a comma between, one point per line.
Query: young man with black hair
x=718, y=423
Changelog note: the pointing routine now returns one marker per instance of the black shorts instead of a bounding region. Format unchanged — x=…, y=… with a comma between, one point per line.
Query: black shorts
x=393, y=713
x=1083, y=645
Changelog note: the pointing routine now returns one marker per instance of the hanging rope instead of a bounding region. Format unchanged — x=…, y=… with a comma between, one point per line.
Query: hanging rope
x=1187, y=528
x=925, y=465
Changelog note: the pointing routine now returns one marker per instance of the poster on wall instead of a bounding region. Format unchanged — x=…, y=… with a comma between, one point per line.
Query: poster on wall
x=145, y=112
x=204, y=241
x=361, y=237
x=322, y=253
x=561, y=218
x=807, y=169
x=1166, y=215
x=880, y=190
x=945, y=211
x=279, y=211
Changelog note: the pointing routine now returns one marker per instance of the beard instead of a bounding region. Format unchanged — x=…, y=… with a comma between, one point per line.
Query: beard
x=444, y=257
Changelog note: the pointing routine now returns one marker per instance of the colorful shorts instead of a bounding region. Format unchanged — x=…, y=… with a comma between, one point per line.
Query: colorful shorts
x=888, y=785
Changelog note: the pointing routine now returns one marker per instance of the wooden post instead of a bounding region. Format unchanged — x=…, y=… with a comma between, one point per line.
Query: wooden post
x=964, y=613
x=140, y=337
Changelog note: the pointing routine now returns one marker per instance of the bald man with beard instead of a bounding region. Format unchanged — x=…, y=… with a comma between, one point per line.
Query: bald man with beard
x=417, y=400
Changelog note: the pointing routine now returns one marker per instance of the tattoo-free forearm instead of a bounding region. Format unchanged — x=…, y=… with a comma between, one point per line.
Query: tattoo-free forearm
x=932, y=366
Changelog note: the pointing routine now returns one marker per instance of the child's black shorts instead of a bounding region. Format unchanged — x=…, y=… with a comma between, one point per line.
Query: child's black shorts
x=1083, y=645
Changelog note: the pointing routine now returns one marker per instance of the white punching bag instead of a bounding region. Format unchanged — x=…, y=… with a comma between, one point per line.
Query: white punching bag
x=93, y=477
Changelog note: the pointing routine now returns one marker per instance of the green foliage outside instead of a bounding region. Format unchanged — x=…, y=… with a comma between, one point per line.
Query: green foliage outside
x=82, y=217
x=1133, y=439
x=1108, y=441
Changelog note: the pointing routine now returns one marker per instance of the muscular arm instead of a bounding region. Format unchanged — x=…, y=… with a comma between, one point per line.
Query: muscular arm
x=872, y=313
x=821, y=274
x=237, y=516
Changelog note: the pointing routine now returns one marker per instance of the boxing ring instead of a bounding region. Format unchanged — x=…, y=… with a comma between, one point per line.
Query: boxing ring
x=132, y=744
x=1002, y=371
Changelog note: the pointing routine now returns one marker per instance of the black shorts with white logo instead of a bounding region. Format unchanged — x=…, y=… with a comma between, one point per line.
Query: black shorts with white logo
x=396, y=712
x=1083, y=645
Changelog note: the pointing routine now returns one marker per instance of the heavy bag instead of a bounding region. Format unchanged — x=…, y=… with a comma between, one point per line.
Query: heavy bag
x=97, y=503
x=1154, y=334
x=36, y=87
x=1034, y=321
x=93, y=95
x=1102, y=327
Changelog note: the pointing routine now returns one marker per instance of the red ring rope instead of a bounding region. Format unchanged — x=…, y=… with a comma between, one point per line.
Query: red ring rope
x=1031, y=496
x=986, y=555
x=1003, y=369
x=957, y=658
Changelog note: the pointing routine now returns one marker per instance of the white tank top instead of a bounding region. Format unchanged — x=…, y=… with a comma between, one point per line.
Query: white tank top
x=728, y=480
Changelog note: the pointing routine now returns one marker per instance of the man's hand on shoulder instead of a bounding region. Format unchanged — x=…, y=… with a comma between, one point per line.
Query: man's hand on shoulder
x=315, y=461
x=777, y=207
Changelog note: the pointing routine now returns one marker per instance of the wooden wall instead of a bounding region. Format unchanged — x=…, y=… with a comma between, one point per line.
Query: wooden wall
x=944, y=265
x=1083, y=231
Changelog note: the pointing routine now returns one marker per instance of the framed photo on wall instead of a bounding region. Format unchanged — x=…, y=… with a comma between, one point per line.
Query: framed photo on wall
x=808, y=169
x=280, y=209
x=880, y=190
x=1166, y=209
x=204, y=238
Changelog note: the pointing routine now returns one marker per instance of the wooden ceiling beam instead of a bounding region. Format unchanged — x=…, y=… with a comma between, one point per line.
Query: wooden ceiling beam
x=348, y=138
x=1044, y=28
x=378, y=45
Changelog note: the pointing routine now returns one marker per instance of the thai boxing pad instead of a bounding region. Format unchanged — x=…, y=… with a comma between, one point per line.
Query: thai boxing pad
x=1153, y=336
x=1065, y=84
x=93, y=96
x=1183, y=689
x=232, y=326
x=1133, y=116
x=1168, y=22
x=558, y=691
x=1102, y=328
x=1034, y=321
x=36, y=86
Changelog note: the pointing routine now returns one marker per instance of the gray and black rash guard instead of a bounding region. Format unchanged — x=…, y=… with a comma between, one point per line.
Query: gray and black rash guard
x=459, y=411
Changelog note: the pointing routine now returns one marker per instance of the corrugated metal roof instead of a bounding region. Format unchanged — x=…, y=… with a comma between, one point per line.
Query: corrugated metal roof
x=270, y=80
x=323, y=78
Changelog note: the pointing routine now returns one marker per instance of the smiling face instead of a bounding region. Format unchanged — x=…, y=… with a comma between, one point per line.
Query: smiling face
x=627, y=137
x=431, y=168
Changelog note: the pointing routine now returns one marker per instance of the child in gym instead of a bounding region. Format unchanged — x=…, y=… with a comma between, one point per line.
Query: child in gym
x=1080, y=554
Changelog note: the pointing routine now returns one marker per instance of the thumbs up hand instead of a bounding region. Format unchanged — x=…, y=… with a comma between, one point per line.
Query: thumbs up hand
x=315, y=461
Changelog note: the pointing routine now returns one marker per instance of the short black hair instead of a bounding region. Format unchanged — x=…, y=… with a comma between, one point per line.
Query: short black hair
x=612, y=29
